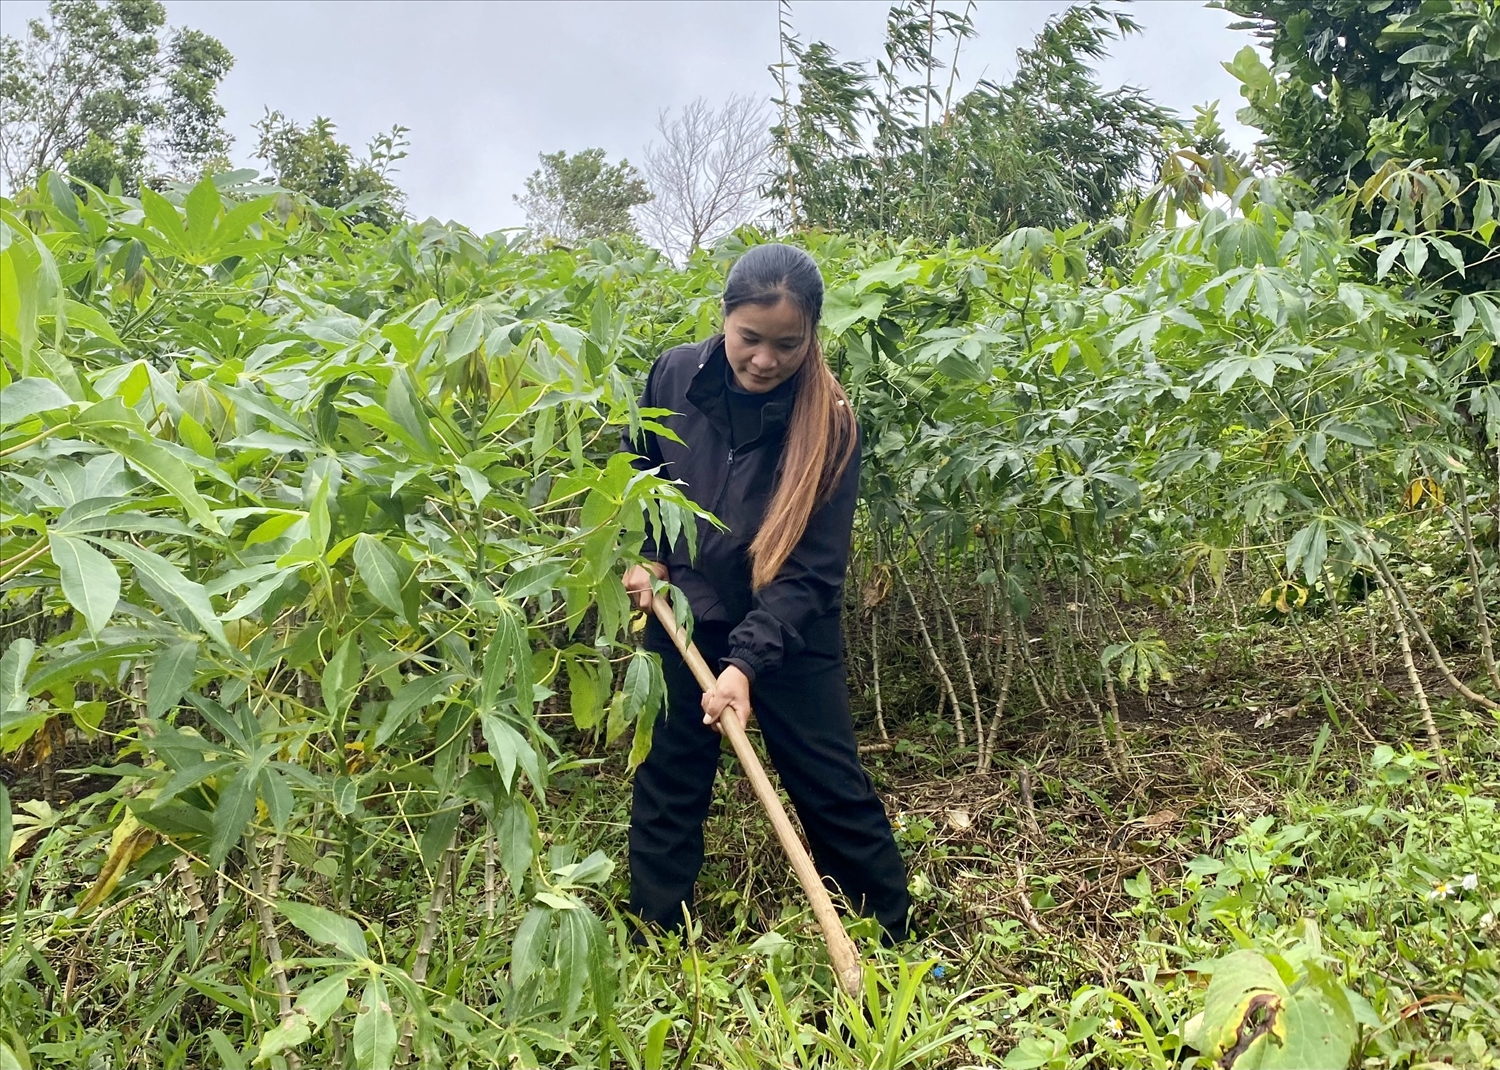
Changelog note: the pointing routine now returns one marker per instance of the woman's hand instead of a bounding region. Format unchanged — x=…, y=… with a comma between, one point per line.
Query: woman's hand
x=729, y=698
x=637, y=582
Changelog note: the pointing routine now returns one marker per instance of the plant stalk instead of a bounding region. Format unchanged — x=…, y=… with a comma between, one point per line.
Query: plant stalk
x=937, y=662
x=1481, y=611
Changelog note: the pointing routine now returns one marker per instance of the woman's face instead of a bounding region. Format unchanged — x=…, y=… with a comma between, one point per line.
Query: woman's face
x=765, y=344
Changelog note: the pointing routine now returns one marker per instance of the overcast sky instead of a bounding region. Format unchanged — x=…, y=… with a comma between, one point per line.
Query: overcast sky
x=486, y=87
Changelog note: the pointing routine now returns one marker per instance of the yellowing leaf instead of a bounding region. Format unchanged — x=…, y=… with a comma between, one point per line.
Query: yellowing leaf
x=128, y=842
x=1423, y=486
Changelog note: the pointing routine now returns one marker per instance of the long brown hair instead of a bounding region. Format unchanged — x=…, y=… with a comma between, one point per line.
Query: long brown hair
x=821, y=436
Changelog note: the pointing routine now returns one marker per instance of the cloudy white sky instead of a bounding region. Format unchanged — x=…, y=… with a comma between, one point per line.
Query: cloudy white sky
x=485, y=87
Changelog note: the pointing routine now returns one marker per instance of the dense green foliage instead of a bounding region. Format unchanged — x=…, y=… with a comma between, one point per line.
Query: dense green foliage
x=1170, y=620
x=311, y=160
x=891, y=150
x=317, y=530
x=1374, y=95
x=103, y=91
x=582, y=197
x=1355, y=83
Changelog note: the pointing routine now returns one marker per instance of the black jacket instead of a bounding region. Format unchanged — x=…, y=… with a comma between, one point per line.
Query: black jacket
x=799, y=610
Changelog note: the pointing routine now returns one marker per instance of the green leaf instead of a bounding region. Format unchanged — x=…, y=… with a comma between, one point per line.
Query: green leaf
x=235, y=222
x=108, y=423
x=527, y=948
x=464, y=336
x=892, y=272
x=164, y=218
x=598, y=508
x=342, y=676
x=402, y=405
x=1416, y=254
x=191, y=432
x=543, y=435
x=1428, y=53
x=1387, y=257
x=326, y=927
x=515, y=834
x=319, y=521
x=594, y=869
x=533, y=579
x=475, y=483
x=641, y=696
x=508, y=657
x=315, y=1005
x=437, y=835
x=572, y=958
x=1242, y=982
x=509, y=749
x=345, y=795
x=7, y=828
x=381, y=572
x=231, y=816
x=657, y=1028
x=585, y=696
x=1355, y=436
x=1463, y=315
x=288, y=1033
x=843, y=308
x=374, y=1028
x=319, y=1001
x=1448, y=251
x=640, y=741
x=24, y=398
x=413, y=695
x=168, y=583
x=89, y=580
x=1308, y=548
x=226, y=1051
x=1248, y=67
x=61, y=195
x=92, y=320
x=1319, y=1034
x=202, y=207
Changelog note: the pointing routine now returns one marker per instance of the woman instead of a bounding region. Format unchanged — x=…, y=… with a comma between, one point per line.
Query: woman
x=770, y=446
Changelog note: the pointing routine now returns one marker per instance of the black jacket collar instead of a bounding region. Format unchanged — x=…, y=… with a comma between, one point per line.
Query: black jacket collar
x=706, y=392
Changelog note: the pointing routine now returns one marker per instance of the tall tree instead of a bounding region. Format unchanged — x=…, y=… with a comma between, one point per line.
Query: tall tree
x=313, y=161
x=1400, y=99
x=705, y=173
x=1353, y=84
x=105, y=91
x=583, y=196
x=893, y=150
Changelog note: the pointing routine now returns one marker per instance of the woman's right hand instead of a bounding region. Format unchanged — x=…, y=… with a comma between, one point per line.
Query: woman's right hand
x=637, y=582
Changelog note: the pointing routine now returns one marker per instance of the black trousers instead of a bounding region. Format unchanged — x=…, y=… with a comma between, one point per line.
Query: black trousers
x=803, y=713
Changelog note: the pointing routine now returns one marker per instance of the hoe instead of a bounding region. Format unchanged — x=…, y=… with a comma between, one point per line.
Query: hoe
x=841, y=951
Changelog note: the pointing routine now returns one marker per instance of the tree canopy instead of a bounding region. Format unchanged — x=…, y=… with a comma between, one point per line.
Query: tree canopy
x=579, y=197
x=1353, y=84
x=891, y=149
x=311, y=160
x=108, y=93
x=1398, y=99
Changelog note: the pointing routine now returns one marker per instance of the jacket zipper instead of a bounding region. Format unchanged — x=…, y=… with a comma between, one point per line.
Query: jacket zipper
x=724, y=487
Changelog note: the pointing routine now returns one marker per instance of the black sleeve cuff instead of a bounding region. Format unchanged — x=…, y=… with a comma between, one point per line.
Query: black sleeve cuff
x=740, y=664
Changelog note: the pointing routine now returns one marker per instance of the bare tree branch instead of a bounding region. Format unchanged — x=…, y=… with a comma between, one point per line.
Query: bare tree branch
x=706, y=173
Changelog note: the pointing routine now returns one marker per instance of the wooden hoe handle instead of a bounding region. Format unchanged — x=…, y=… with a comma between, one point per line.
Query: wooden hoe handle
x=841, y=950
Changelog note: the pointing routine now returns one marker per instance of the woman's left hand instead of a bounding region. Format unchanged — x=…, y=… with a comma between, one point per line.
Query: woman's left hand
x=730, y=697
